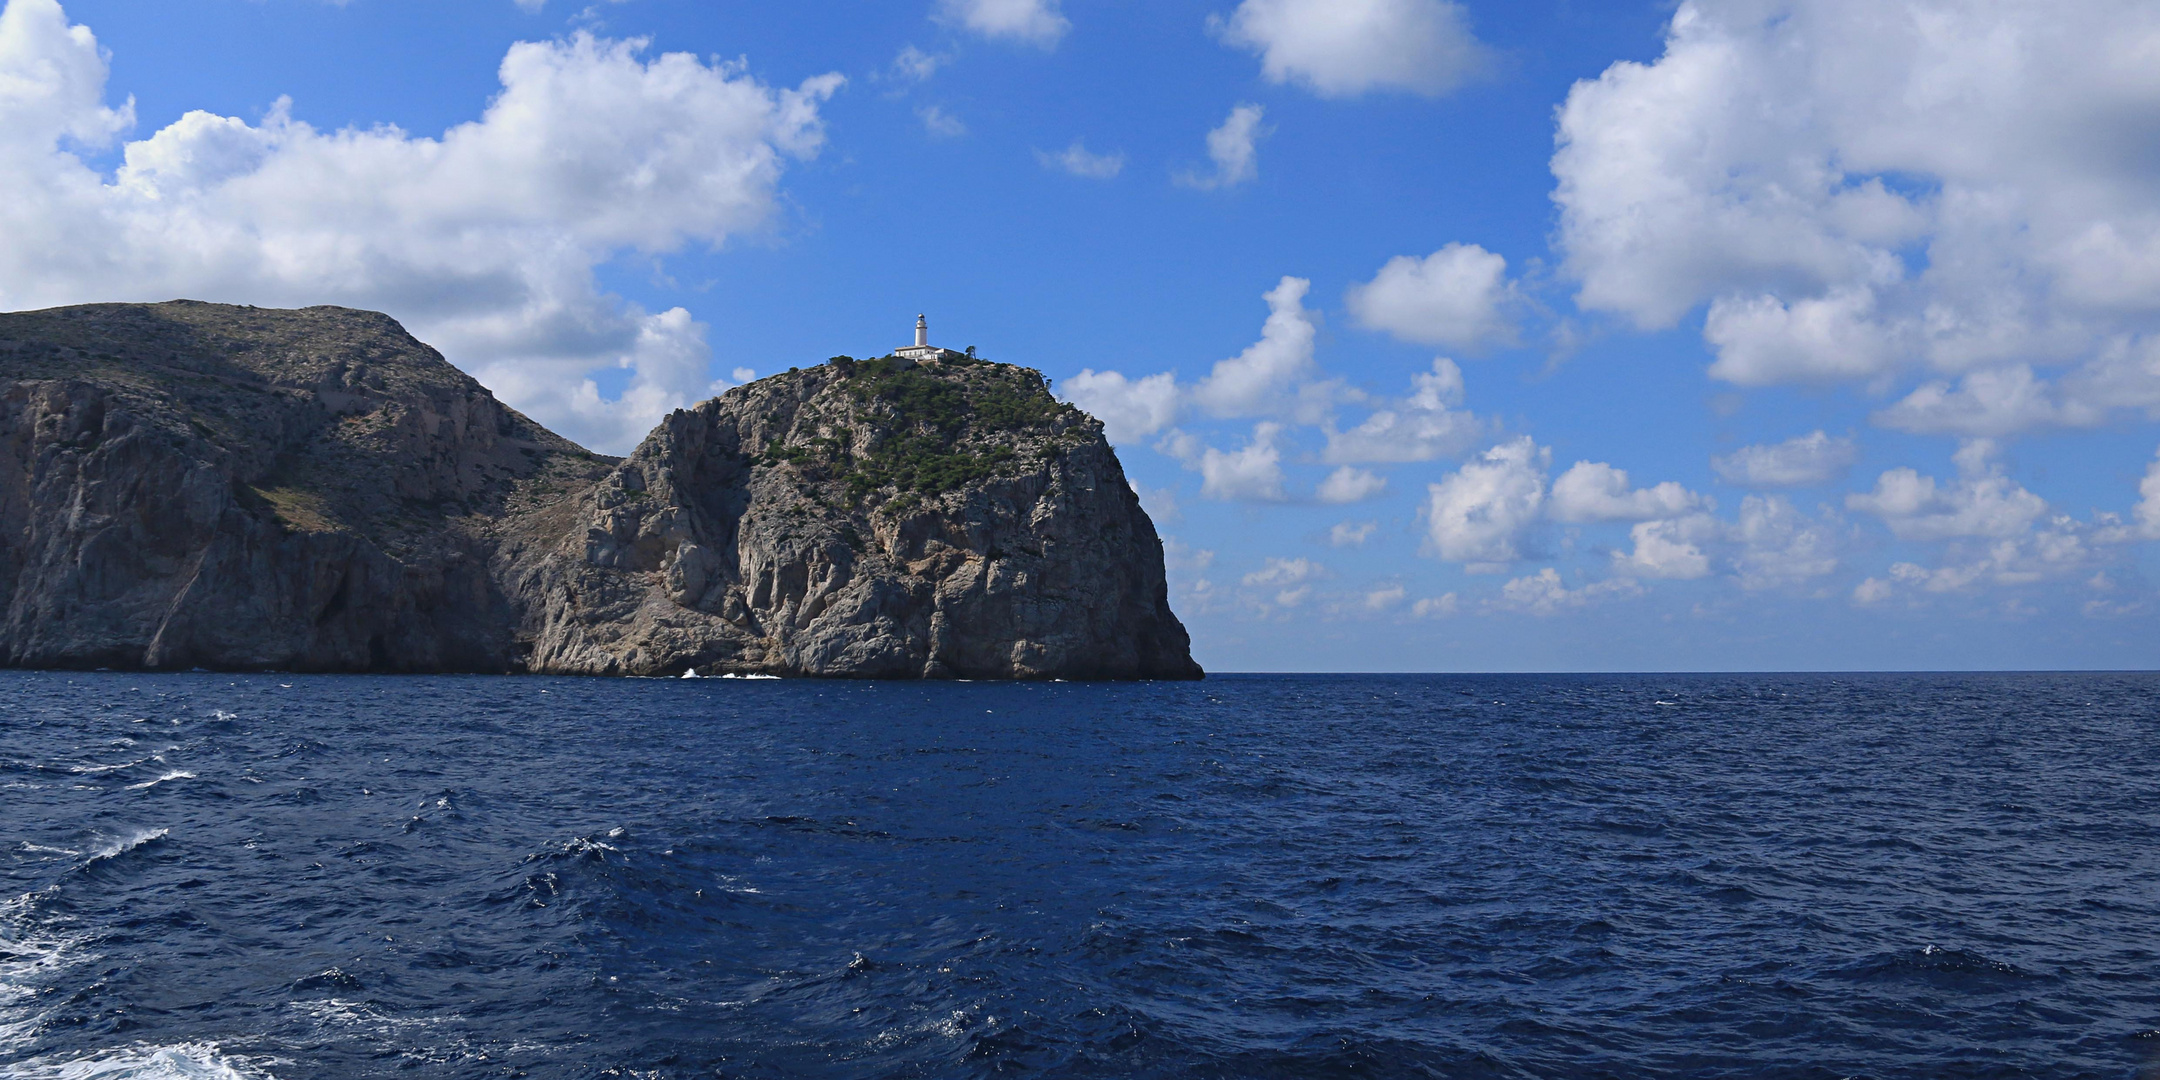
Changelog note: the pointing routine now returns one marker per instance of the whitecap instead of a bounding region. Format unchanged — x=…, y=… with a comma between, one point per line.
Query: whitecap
x=126, y=844
x=180, y=1061
x=29, y=957
x=84, y=770
x=176, y=774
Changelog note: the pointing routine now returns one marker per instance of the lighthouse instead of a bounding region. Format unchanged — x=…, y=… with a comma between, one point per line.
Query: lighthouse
x=922, y=349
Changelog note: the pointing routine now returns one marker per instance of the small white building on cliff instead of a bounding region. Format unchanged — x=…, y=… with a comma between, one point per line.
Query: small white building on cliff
x=922, y=349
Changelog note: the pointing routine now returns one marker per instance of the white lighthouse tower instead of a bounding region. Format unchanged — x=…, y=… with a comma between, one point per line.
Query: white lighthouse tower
x=922, y=349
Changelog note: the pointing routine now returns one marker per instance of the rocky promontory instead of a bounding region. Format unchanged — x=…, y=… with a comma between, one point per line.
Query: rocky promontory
x=197, y=485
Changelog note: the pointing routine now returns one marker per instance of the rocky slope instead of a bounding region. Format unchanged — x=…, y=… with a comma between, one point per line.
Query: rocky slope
x=190, y=484
x=862, y=519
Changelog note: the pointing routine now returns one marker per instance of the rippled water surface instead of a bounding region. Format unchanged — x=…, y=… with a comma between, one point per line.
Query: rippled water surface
x=1418, y=876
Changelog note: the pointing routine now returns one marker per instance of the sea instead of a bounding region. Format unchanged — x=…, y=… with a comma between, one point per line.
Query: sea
x=212, y=876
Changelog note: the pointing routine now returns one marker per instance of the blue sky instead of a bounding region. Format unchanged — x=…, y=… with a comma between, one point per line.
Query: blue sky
x=1742, y=334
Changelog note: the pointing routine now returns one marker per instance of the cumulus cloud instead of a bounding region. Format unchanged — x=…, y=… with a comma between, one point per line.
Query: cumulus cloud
x=1385, y=598
x=1916, y=507
x=1779, y=546
x=1456, y=296
x=483, y=240
x=1355, y=533
x=1030, y=22
x=1434, y=607
x=1595, y=491
x=2147, y=511
x=1810, y=460
x=1234, y=148
x=1424, y=426
x=2056, y=550
x=1481, y=513
x=1262, y=379
x=1544, y=593
x=1669, y=549
x=1343, y=48
x=1273, y=377
x=1858, y=189
x=1077, y=160
x=1278, y=572
x=1350, y=484
x=1130, y=409
x=1988, y=404
x=1252, y=473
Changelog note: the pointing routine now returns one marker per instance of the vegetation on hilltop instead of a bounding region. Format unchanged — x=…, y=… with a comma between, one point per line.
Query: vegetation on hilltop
x=936, y=427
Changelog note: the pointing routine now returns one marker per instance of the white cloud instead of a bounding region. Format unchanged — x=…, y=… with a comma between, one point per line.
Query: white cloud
x=1079, y=161
x=2147, y=511
x=1421, y=427
x=1234, y=148
x=1988, y=404
x=1668, y=549
x=1762, y=340
x=1273, y=377
x=1280, y=572
x=1778, y=546
x=916, y=65
x=1261, y=380
x=1355, y=533
x=1543, y=593
x=939, y=123
x=1385, y=598
x=1595, y=491
x=1161, y=504
x=1456, y=296
x=1343, y=48
x=483, y=241
x=2056, y=550
x=1184, y=558
x=1861, y=188
x=1434, y=607
x=1810, y=460
x=1982, y=504
x=1030, y=22
x=1251, y=474
x=1130, y=409
x=1350, y=484
x=1480, y=513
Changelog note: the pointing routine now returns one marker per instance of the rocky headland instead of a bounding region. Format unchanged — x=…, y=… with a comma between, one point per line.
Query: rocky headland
x=197, y=485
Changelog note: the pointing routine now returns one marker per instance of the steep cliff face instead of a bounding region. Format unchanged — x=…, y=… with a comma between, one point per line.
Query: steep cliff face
x=193, y=484
x=861, y=519
x=189, y=484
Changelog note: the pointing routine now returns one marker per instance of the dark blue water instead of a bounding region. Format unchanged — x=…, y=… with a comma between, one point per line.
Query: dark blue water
x=1579, y=877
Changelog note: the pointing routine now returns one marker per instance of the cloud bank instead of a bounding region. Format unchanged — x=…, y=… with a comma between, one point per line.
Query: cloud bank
x=483, y=240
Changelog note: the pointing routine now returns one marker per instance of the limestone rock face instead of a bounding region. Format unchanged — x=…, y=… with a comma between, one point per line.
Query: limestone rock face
x=187, y=485
x=862, y=519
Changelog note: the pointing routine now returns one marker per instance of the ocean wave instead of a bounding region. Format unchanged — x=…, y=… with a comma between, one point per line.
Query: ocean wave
x=126, y=844
x=180, y=1061
x=30, y=959
x=176, y=774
